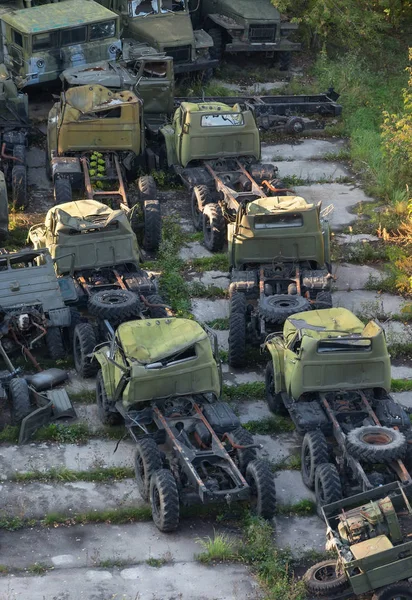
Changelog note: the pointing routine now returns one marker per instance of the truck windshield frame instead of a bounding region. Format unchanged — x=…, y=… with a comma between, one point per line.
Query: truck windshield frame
x=344, y=344
x=145, y=8
x=222, y=120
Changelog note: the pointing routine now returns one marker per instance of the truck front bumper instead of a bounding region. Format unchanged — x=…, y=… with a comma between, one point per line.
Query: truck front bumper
x=200, y=65
x=285, y=46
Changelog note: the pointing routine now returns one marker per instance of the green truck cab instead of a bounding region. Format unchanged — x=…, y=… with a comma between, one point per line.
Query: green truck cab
x=40, y=42
x=166, y=25
x=246, y=26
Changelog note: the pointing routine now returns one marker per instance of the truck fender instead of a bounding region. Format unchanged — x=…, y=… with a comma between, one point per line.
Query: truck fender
x=169, y=137
x=202, y=40
x=276, y=349
x=225, y=22
x=102, y=355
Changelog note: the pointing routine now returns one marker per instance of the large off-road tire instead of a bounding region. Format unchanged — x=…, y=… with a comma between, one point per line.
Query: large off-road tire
x=84, y=342
x=164, y=500
x=54, y=343
x=313, y=454
x=147, y=460
x=237, y=331
x=201, y=196
x=216, y=51
x=323, y=580
x=19, y=186
x=273, y=399
x=243, y=456
x=147, y=188
x=62, y=191
x=20, y=400
x=374, y=444
x=397, y=591
x=116, y=306
x=214, y=227
x=157, y=312
x=328, y=487
x=260, y=478
x=106, y=416
x=276, y=309
x=152, y=225
x=75, y=319
x=323, y=300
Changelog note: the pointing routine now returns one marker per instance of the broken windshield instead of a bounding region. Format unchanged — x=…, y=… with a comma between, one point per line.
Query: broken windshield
x=143, y=8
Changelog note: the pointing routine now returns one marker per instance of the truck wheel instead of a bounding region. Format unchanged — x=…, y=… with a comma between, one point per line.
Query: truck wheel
x=106, y=416
x=325, y=580
x=114, y=305
x=323, y=300
x=276, y=309
x=54, y=343
x=295, y=125
x=217, y=49
x=157, y=312
x=214, y=227
x=262, y=486
x=328, y=487
x=375, y=444
x=164, y=500
x=19, y=186
x=237, y=331
x=397, y=591
x=274, y=400
x=284, y=60
x=200, y=197
x=20, y=400
x=314, y=453
x=84, y=342
x=243, y=456
x=147, y=188
x=152, y=225
x=75, y=319
x=62, y=191
x=147, y=460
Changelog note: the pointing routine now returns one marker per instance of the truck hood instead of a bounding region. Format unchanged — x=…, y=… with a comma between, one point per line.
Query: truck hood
x=163, y=30
x=253, y=10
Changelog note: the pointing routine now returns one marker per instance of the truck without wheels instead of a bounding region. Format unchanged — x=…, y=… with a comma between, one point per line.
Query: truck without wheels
x=163, y=379
x=97, y=261
x=370, y=534
x=245, y=26
x=95, y=139
x=279, y=257
x=166, y=25
x=332, y=374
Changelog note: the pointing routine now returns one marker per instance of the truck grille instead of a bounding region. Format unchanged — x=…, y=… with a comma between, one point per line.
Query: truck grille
x=262, y=33
x=180, y=54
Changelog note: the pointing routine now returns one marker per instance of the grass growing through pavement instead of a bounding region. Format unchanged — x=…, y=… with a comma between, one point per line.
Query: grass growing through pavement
x=216, y=549
x=303, y=508
x=244, y=391
x=270, y=425
x=219, y=324
x=65, y=475
x=217, y=262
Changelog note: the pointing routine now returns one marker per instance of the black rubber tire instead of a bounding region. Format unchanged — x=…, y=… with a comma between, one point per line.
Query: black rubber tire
x=147, y=460
x=274, y=400
x=323, y=300
x=237, y=331
x=360, y=444
x=147, y=188
x=314, y=452
x=84, y=342
x=20, y=400
x=75, y=319
x=397, y=591
x=284, y=60
x=19, y=186
x=216, y=51
x=214, y=227
x=62, y=191
x=106, y=416
x=157, y=312
x=295, y=125
x=54, y=343
x=164, y=500
x=328, y=486
x=276, y=309
x=201, y=196
x=152, y=225
x=116, y=306
x=243, y=457
x=260, y=478
x=323, y=581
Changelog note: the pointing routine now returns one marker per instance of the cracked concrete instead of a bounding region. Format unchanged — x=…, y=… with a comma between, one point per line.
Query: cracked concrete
x=353, y=277
x=194, y=250
x=208, y=310
x=300, y=534
x=303, y=149
x=312, y=171
x=368, y=303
